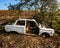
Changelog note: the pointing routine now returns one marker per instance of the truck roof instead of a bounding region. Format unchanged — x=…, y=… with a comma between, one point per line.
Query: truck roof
x=27, y=19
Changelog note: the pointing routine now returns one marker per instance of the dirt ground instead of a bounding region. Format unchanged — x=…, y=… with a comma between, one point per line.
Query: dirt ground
x=13, y=40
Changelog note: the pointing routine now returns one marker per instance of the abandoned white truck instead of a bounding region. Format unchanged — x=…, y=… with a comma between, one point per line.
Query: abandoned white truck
x=29, y=26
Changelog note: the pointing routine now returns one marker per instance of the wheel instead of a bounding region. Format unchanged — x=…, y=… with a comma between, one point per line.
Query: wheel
x=45, y=35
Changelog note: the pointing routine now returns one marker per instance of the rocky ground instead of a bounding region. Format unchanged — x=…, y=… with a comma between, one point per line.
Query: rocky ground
x=13, y=40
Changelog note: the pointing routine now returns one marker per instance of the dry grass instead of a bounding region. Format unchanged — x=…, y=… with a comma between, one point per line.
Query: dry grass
x=13, y=40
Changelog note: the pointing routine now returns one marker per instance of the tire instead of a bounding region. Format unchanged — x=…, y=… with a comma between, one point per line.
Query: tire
x=45, y=35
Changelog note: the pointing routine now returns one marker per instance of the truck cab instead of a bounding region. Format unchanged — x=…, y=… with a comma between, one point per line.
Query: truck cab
x=29, y=26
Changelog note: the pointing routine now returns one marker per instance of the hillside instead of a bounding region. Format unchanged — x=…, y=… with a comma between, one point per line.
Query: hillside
x=14, y=40
x=7, y=15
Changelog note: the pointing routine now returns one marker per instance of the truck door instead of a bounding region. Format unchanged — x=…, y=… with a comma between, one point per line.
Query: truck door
x=32, y=27
x=20, y=26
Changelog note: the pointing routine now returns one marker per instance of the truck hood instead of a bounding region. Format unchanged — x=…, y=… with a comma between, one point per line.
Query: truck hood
x=47, y=28
x=44, y=28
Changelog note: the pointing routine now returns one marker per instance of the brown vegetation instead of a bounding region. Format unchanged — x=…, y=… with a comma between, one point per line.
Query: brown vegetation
x=12, y=40
x=6, y=15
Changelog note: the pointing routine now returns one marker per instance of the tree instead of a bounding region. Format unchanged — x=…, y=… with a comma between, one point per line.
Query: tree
x=47, y=14
x=47, y=10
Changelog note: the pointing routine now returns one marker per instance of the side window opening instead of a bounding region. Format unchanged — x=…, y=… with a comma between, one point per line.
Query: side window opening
x=20, y=22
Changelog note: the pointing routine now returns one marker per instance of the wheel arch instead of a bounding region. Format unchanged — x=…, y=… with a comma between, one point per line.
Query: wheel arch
x=45, y=33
